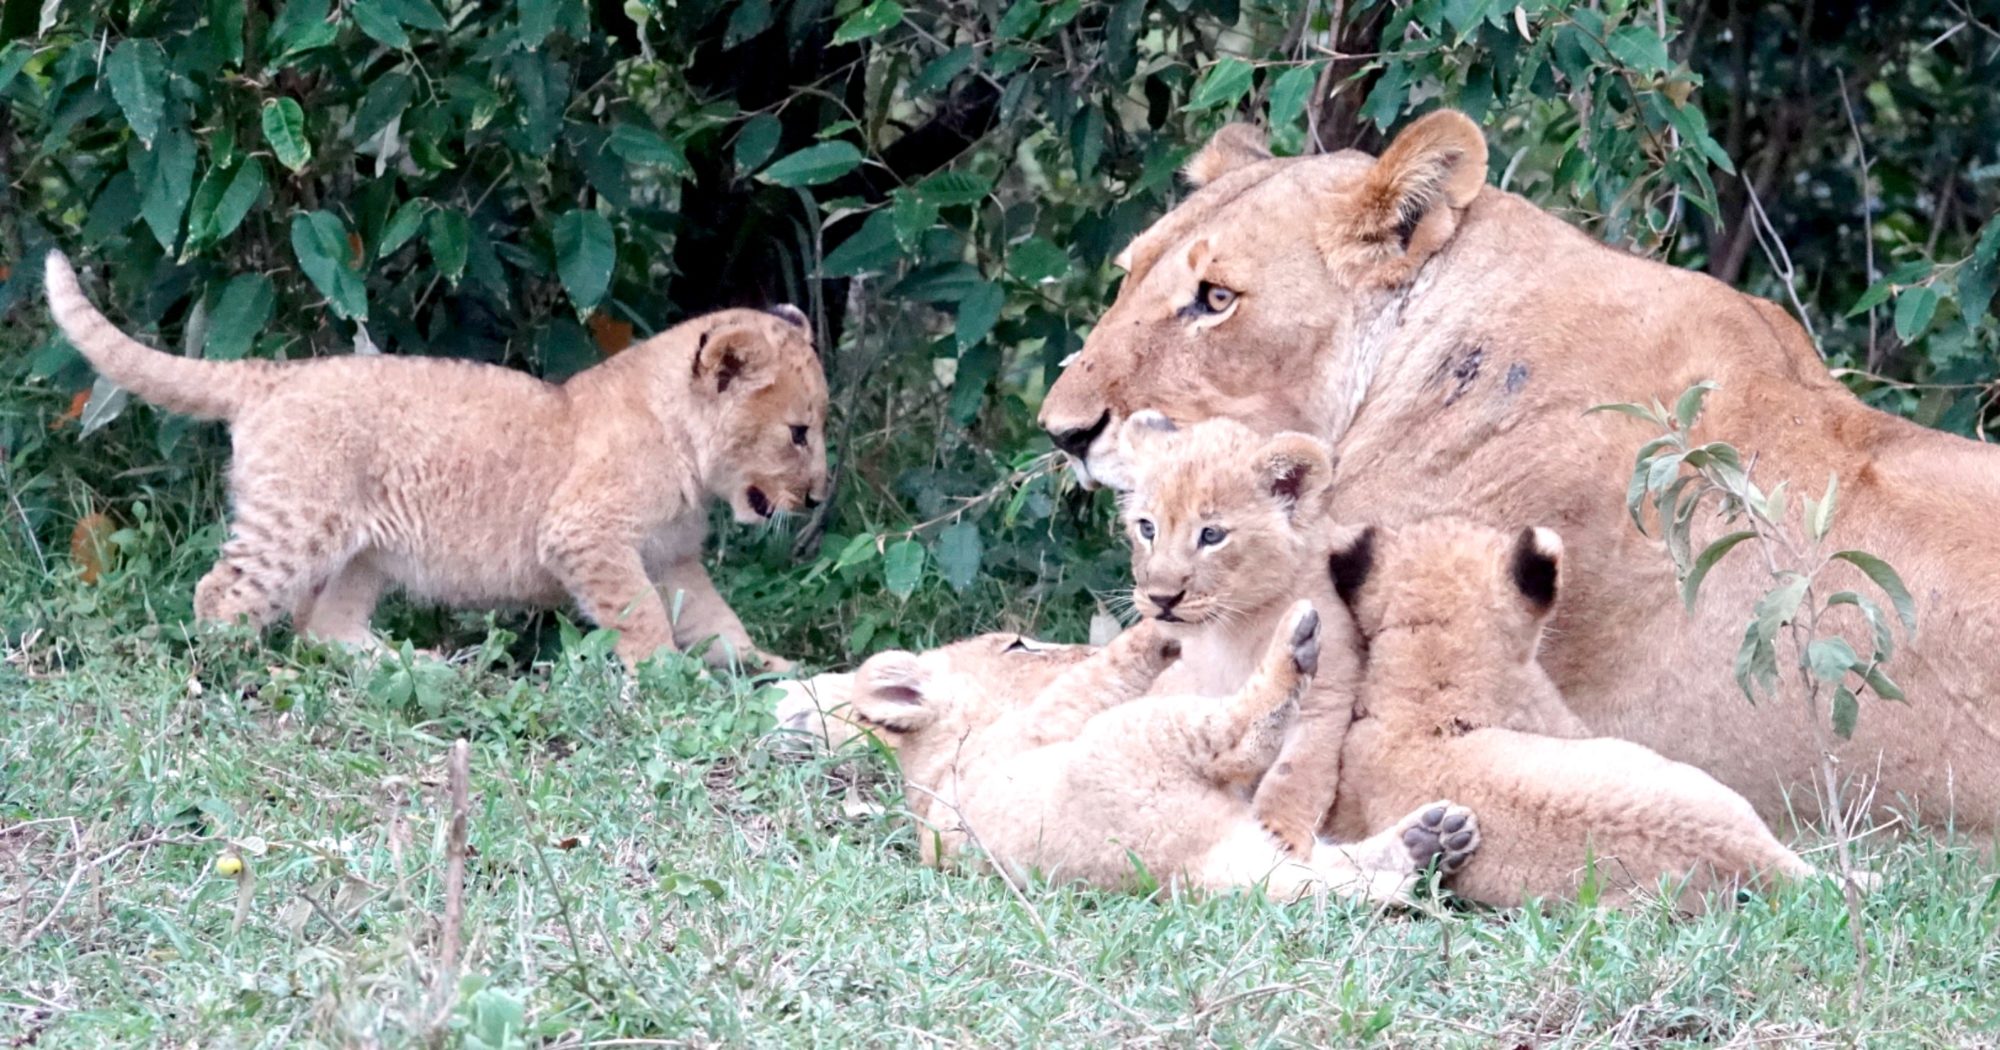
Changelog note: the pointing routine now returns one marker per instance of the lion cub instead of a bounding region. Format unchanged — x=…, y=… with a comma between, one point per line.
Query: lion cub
x=1454, y=702
x=1227, y=530
x=473, y=485
x=1091, y=776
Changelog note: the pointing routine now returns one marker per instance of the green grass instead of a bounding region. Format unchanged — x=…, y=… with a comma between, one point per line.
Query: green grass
x=648, y=870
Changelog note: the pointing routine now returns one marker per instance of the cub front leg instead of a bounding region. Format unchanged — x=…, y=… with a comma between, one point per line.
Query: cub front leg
x=1236, y=740
x=1117, y=674
x=702, y=613
x=607, y=577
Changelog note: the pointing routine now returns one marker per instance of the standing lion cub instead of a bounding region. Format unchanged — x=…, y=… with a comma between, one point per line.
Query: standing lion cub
x=473, y=485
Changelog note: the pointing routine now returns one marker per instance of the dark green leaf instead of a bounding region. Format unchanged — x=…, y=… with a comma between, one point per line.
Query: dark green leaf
x=1629, y=409
x=977, y=313
x=1914, y=309
x=239, y=318
x=1035, y=260
x=1878, y=625
x=1224, y=84
x=947, y=188
x=1876, y=295
x=301, y=26
x=320, y=240
x=408, y=220
x=1830, y=658
x=1691, y=587
x=137, y=70
x=1688, y=408
x=1881, y=684
x=872, y=20
x=167, y=183
x=1756, y=663
x=417, y=14
x=814, y=165
x=750, y=18
x=859, y=550
x=586, y=251
x=245, y=187
x=903, y=567
x=756, y=142
x=942, y=70
x=1640, y=48
x=285, y=130
x=1977, y=279
x=449, y=234
x=1289, y=93
x=387, y=98
x=1886, y=578
x=1779, y=605
x=1845, y=711
x=14, y=58
x=374, y=18
x=958, y=552
x=871, y=249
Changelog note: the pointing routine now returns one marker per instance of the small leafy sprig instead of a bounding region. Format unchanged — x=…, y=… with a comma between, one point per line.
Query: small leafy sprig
x=1677, y=476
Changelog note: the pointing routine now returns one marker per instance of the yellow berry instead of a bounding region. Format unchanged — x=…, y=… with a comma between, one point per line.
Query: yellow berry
x=229, y=864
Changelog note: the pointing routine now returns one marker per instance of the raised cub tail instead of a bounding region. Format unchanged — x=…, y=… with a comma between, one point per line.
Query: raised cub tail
x=205, y=389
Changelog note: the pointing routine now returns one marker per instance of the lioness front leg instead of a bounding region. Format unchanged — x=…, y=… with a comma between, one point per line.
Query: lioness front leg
x=608, y=579
x=702, y=613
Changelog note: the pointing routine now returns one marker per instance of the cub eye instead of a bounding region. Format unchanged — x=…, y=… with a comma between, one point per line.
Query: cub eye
x=1212, y=535
x=1146, y=529
x=1212, y=298
x=799, y=435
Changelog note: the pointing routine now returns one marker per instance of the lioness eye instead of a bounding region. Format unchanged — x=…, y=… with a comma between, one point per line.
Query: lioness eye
x=798, y=435
x=1145, y=528
x=1214, y=298
x=1211, y=536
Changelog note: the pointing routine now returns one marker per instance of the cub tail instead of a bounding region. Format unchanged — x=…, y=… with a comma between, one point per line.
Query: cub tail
x=204, y=389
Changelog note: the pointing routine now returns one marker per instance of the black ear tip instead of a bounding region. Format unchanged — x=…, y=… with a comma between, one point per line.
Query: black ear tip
x=1537, y=566
x=1349, y=567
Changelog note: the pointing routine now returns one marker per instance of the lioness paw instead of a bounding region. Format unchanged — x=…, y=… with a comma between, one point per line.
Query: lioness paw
x=1442, y=832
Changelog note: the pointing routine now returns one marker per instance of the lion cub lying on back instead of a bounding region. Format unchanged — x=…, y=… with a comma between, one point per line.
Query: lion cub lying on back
x=474, y=485
x=1089, y=777
x=1453, y=701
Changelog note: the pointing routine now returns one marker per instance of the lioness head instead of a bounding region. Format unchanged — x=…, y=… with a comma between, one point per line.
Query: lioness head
x=1254, y=298
x=1485, y=593
x=1219, y=517
x=766, y=392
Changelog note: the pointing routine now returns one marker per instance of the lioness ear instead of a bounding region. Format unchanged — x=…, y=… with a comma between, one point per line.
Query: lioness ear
x=1293, y=470
x=1349, y=565
x=1410, y=201
x=1141, y=429
x=892, y=690
x=1236, y=146
x=1535, y=568
x=730, y=354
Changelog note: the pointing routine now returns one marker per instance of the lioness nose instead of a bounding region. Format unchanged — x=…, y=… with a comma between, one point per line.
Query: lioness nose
x=1166, y=602
x=1077, y=442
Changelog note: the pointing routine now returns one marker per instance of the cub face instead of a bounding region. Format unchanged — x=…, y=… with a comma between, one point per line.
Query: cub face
x=922, y=706
x=764, y=381
x=1488, y=591
x=1218, y=516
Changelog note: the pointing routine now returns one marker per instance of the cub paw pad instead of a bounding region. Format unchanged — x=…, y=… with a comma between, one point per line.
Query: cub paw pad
x=1444, y=833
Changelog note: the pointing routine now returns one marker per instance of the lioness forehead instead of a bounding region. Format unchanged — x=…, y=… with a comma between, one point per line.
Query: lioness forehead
x=1244, y=200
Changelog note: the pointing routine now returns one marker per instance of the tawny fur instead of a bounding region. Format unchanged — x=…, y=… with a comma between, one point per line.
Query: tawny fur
x=1092, y=781
x=473, y=485
x=1265, y=497
x=1446, y=338
x=1454, y=702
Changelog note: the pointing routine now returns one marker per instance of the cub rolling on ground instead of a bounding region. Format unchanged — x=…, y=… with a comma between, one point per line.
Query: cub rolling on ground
x=1092, y=781
x=1453, y=701
x=473, y=485
x=1226, y=532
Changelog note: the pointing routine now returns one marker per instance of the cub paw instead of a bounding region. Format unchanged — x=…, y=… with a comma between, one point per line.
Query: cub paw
x=1442, y=832
x=1305, y=639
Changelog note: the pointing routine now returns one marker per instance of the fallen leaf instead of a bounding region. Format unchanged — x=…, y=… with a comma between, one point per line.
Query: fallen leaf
x=610, y=334
x=90, y=545
x=73, y=413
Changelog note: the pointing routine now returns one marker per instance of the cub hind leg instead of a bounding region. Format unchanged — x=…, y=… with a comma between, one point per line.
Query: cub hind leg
x=283, y=544
x=340, y=610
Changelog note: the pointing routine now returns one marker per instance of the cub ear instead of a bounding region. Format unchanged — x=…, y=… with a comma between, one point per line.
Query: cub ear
x=729, y=355
x=1141, y=429
x=791, y=315
x=1411, y=200
x=1235, y=147
x=1536, y=566
x=893, y=690
x=1294, y=471
x=1350, y=564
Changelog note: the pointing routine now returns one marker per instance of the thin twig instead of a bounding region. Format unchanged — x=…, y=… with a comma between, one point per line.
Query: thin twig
x=76, y=875
x=457, y=774
x=1867, y=211
x=1779, y=258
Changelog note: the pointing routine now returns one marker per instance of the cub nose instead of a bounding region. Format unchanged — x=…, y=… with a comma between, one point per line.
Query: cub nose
x=1166, y=602
x=811, y=501
x=1076, y=442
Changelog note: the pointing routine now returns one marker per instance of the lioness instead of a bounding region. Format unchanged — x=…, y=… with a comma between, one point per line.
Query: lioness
x=474, y=485
x=1454, y=702
x=1446, y=337
x=1085, y=777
